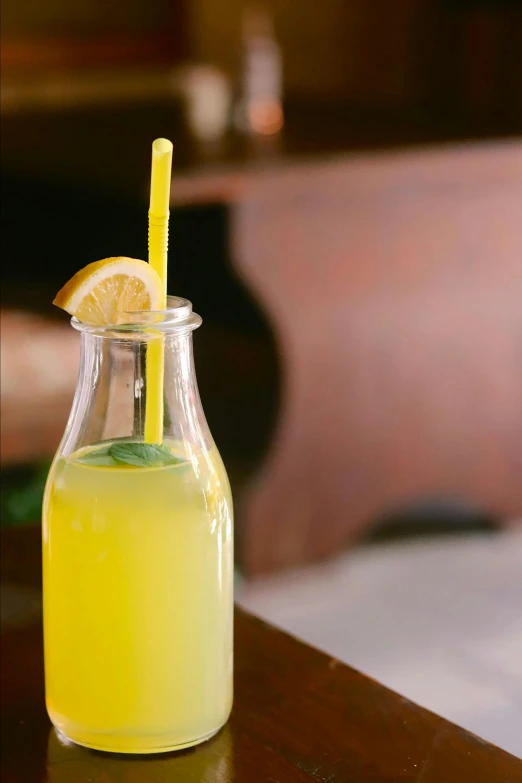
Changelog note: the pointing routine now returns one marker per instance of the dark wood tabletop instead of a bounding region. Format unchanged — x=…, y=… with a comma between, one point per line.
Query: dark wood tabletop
x=299, y=715
x=44, y=144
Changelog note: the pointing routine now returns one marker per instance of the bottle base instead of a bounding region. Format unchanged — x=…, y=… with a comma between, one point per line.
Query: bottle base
x=133, y=746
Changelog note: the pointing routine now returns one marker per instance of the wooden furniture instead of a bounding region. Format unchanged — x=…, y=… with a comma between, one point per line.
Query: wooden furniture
x=58, y=38
x=41, y=155
x=392, y=282
x=298, y=715
x=473, y=64
x=45, y=144
x=393, y=285
x=39, y=367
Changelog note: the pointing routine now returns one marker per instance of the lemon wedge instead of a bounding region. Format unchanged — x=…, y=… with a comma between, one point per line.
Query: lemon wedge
x=102, y=291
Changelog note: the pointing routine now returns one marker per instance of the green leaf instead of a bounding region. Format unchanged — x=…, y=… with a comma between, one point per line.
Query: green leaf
x=139, y=455
x=143, y=454
x=101, y=456
x=161, y=448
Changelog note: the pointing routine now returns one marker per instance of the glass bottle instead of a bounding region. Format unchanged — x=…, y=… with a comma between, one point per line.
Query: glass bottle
x=260, y=111
x=137, y=551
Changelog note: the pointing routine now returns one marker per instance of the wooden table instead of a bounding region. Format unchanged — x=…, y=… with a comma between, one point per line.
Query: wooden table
x=299, y=715
x=44, y=144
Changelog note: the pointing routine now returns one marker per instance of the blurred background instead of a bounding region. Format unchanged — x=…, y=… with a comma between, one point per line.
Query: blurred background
x=346, y=217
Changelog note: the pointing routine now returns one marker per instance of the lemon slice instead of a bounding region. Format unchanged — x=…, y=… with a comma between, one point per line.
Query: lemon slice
x=102, y=291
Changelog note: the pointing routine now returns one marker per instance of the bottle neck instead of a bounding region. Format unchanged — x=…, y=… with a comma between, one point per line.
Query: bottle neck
x=111, y=393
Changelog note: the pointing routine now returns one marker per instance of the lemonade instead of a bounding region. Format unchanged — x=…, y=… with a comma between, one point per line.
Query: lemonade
x=138, y=609
x=137, y=518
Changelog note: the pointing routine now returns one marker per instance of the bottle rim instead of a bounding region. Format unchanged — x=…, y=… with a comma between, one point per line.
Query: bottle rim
x=177, y=317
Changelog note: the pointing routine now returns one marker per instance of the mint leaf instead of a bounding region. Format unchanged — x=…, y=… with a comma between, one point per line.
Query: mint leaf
x=139, y=455
x=162, y=449
x=143, y=454
x=101, y=456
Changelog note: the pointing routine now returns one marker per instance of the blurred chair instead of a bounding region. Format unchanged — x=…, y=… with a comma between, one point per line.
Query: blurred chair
x=394, y=285
x=39, y=365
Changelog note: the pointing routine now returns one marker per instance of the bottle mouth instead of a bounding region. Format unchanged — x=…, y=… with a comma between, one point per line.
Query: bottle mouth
x=177, y=317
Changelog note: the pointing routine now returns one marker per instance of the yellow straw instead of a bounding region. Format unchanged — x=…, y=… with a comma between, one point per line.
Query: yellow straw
x=158, y=246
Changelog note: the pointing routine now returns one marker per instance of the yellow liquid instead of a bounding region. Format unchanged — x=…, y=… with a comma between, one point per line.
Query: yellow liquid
x=138, y=605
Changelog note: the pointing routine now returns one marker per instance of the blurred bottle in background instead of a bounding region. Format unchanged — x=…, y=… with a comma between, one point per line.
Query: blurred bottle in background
x=260, y=106
x=208, y=98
